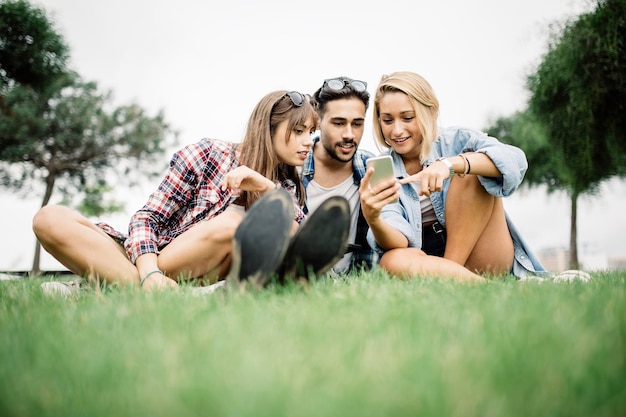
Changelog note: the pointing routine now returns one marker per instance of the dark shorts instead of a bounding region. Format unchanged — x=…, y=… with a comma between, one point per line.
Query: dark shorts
x=434, y=239
x=117, y=236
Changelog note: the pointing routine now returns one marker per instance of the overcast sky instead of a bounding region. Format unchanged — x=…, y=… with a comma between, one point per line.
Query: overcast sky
x=207, y=63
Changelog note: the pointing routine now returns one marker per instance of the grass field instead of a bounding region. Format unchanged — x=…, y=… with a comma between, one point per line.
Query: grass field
x=367, y=346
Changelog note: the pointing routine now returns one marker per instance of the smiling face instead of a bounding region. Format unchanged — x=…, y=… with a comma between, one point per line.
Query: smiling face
x=399, y=124
x=341, y=127
x=293, y=147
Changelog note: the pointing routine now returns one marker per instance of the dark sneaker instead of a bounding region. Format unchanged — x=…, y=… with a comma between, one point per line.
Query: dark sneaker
x=321, y=240
x=261, y=240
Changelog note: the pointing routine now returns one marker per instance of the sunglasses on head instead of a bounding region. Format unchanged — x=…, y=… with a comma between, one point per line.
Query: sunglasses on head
x=337, y=84
x=297, y=98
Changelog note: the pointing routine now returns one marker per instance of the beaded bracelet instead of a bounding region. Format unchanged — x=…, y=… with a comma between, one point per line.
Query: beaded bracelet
x=148, y=274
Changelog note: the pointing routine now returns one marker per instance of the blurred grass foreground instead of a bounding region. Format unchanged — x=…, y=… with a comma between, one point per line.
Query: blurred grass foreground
x=364, y=346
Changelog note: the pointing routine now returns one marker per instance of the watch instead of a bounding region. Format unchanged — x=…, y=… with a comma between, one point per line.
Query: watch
x=448, y=164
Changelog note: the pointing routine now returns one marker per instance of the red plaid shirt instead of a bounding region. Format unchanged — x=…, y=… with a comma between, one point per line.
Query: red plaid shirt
x=189, y=193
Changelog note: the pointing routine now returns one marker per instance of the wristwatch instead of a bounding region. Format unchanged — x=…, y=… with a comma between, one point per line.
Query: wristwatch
x=448, y=164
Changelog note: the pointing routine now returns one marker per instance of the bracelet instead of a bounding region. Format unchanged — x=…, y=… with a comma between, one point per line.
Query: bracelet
x=466, y=166
x=148, y=274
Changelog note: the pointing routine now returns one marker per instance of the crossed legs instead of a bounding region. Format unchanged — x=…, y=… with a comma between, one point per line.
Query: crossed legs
x=81, y=246
x=203, y=251
x=478, y=239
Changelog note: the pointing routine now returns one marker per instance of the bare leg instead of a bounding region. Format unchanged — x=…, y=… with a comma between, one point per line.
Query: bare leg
x=203, y=251
x=477, y=234
x=82, y=246
x=407, y=262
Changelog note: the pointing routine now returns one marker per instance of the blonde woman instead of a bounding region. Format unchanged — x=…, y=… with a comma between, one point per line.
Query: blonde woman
x=450, y=219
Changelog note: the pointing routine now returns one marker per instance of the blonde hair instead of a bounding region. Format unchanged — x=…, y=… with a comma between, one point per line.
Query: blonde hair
x=257, y=147
x=425, y=105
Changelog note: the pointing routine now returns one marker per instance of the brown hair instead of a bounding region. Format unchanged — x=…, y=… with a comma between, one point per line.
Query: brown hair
x=257, y=147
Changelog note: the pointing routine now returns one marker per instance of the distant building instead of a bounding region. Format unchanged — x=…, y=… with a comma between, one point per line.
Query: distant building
x=617, y=262
x=557, y=260
x=554, y=259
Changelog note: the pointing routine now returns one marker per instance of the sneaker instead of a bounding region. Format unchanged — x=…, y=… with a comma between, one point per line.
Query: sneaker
x=260, y=241
x=572, y=275
x=532, y=278
x=218, y=286
x=62, y=288
x=320, y=241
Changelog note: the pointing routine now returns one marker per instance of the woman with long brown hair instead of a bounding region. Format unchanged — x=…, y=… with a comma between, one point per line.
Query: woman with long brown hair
x=185, y=230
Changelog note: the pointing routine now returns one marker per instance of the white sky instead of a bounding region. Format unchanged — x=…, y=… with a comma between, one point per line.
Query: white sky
x=207, y=63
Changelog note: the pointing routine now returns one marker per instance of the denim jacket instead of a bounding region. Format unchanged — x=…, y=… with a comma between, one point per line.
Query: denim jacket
x=406, y=215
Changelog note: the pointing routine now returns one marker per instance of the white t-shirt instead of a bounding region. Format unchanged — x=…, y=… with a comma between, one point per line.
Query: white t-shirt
x=428, y=212
x=316, y=194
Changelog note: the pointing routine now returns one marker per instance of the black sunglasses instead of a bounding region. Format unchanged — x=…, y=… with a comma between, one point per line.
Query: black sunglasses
x=297, y=98
x=337, y=84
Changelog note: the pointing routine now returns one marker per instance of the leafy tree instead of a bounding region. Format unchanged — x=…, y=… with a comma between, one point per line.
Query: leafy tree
x=71, y=140
x=58, y=130
x=547, y=165
x=31, y=51
x=524, y=131
x=574, y=128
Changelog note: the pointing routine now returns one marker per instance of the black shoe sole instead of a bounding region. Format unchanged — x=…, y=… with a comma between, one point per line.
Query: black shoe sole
x=320, y=241
x=260, y=241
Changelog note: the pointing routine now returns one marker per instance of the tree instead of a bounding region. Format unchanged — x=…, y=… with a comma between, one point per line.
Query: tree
x=523, y=130
x=70, y=139
x=576, y=109
x=547, y=165
x=31, y=51
x=59, y=130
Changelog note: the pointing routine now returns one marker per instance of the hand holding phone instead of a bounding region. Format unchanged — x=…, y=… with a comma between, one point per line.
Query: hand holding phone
x=383, y=169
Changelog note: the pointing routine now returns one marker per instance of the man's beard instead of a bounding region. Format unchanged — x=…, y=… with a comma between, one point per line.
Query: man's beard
x=333, y=152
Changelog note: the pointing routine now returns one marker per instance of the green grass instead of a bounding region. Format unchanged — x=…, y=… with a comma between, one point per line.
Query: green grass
x=368, y=346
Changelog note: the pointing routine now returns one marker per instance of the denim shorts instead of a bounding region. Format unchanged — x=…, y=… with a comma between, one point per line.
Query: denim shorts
x=434, y=239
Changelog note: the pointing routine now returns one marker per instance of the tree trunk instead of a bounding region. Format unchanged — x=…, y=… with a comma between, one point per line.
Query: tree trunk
x=50, y=180
x=573, y=233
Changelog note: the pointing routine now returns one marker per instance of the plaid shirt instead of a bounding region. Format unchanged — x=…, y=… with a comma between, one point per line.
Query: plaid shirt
x=189, y=193
x=362, y=256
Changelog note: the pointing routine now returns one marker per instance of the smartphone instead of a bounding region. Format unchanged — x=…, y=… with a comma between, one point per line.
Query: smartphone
x=383, y=169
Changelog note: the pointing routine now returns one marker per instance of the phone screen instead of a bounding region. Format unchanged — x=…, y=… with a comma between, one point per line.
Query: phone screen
x=383, y=169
